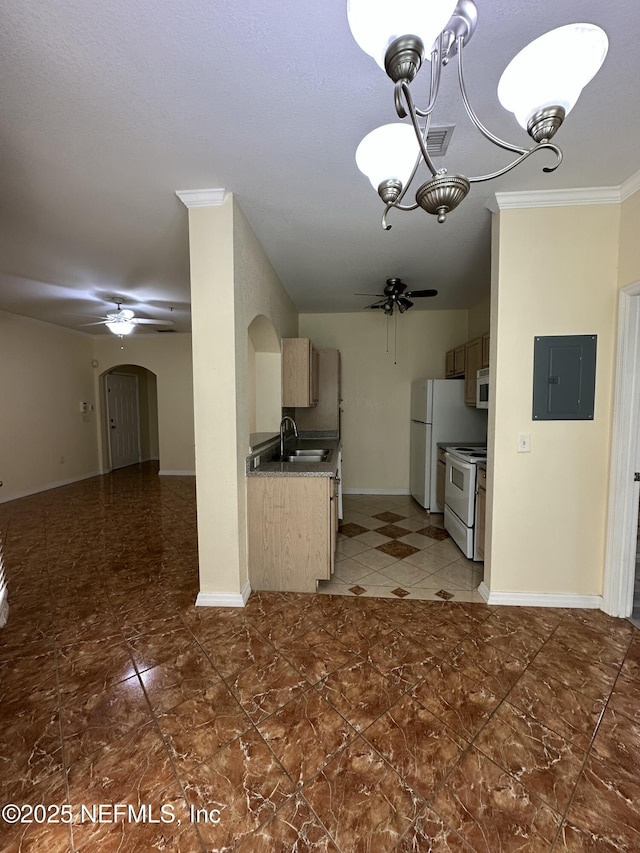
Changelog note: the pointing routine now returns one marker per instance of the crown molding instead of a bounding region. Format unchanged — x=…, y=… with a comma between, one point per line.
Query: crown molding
x=555, y=198
x=202, y=198
x=630, y=186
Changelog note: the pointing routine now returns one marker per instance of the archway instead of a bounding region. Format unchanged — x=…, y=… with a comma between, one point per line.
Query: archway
x=144, y=446
x=265, y=372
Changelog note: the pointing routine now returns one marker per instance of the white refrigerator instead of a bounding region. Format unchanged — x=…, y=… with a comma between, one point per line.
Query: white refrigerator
x=439, y=414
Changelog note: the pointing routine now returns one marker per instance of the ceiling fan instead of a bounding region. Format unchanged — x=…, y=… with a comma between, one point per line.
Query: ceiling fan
x=394, y=296
x=124, y=321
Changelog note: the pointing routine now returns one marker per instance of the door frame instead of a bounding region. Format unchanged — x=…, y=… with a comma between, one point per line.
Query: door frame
x=622, y=521
x=116, y=372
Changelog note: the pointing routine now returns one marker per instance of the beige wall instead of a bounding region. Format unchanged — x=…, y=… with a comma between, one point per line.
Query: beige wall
x=232, y=282
x=376, y=392
x=479, y=318
x=45, y=373
x=629, y=267
x=555, y=273
x=169, y=357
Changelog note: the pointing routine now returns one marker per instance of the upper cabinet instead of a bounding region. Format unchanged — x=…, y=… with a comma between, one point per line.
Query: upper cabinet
x=326, y=415
x=455, y=362
x=473, y=363
x=485, y=350
x=299, y=373
x=465, y=361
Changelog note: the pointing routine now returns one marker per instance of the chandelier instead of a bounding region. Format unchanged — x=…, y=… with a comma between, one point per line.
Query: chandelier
x=540, y=86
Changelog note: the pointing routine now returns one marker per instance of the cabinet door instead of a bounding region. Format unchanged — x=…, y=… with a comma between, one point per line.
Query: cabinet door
x=299, y=373
x=459, y=360
x=314, y=374
x=485, y=350
x=289, y=532
x=473, y=363
x=449, y=364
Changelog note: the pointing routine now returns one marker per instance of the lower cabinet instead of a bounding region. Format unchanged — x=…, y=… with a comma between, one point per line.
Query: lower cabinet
x=481, y=510
x=292, y=531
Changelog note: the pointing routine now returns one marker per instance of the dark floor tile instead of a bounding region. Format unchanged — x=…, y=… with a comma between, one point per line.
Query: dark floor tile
x=607, y=804
x=463, y=704
x=589, y=677
x=492, y=811
x=245, y=782
x=294, y=828
x=359, y=692
x=199, y=726
x=545, y=763
x=361, y=801
x=306, y=734
x=575, y=716
x=421, y=748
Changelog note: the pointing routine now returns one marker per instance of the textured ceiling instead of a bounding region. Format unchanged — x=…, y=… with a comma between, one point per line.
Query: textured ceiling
x=106, y=109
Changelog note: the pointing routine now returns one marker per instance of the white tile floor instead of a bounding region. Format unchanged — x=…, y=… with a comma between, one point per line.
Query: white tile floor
x=375, y=559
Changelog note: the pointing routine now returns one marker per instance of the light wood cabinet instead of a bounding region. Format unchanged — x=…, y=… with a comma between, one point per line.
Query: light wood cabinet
x=293, y=529
x=455, y=362
x=485, y=349
x=326, y=415
x=473, y=363
x=299, y=373
x=481, y=509
x=441, y=473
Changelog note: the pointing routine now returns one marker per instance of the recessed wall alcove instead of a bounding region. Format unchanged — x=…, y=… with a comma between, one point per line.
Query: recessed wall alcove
x=265, y=385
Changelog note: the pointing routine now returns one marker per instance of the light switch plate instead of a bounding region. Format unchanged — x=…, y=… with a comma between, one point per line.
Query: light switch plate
x=524, y=442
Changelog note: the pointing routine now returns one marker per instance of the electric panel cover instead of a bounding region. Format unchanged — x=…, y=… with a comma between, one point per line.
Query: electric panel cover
x=564, y=377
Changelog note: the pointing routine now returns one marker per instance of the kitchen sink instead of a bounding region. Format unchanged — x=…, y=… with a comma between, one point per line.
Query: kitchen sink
x=311, y=451
x=307, y=456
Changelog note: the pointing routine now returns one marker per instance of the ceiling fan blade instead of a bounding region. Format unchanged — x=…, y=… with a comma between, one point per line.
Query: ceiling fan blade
x=139, y=320
x=97, y=323
x=381, y=295
x=411, y=293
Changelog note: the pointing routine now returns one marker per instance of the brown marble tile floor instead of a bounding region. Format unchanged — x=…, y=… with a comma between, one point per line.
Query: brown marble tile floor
x=303, y=722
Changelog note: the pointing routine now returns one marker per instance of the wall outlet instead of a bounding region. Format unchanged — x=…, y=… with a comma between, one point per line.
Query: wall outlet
x=524, y=442
x=256, y=461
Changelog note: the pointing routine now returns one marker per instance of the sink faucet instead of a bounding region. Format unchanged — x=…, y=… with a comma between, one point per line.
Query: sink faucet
x=283, y=429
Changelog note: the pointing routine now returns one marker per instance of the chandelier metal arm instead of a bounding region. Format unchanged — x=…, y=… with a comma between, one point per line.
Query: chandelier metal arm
x=539, y=147
x=434, y=84
x=417, y=129
x=387, y=227
x=517, y=149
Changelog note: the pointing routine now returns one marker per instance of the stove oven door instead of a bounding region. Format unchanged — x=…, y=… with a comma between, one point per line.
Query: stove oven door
x=460, y=488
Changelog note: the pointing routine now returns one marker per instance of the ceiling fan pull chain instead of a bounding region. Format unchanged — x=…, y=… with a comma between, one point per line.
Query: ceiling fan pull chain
x=395, y=338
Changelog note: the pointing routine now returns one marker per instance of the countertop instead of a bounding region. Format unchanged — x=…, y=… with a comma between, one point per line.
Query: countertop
x=271, y=468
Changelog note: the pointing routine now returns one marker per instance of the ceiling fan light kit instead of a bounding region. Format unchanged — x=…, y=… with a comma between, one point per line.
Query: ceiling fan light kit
x=394, y=296
x=540, y=86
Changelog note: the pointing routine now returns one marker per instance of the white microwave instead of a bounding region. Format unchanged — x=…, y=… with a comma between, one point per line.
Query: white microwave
x=482, y=389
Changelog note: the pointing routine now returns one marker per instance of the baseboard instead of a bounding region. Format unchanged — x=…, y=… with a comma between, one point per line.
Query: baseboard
x=376, y=492
x=224, y=599
x=5, y=498
x=540, y=599
x=170, y=473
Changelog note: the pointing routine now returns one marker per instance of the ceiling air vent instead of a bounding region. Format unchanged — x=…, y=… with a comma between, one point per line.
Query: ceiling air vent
x=439, y=139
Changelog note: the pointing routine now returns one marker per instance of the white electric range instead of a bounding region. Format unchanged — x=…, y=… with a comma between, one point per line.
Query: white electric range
x=460, y=496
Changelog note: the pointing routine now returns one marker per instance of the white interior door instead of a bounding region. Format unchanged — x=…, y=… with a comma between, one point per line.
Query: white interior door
x=124, y=419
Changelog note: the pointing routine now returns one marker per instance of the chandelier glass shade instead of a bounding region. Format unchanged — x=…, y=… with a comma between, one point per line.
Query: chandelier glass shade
x=552, y=71
x=375, y=24
x=540, y=86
